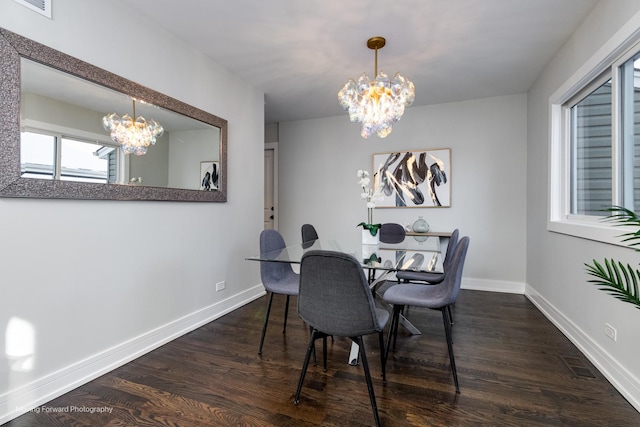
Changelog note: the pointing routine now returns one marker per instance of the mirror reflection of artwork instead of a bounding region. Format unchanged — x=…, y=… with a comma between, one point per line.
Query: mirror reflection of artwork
x=209, y=176
x=427, y=260
x=414, y=178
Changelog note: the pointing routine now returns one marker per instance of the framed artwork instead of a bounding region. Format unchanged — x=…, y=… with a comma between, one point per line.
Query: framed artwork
x=209, y=176
x=413, y=178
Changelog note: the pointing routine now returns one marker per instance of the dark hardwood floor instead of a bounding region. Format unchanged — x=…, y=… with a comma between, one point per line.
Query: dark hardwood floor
x=515, y=369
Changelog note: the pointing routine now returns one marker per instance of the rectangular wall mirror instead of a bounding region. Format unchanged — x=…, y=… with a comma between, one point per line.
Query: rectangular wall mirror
x=53, y=143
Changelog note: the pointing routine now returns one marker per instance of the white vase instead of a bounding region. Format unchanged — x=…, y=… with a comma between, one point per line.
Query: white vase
x=368, y=239
x=369, y=250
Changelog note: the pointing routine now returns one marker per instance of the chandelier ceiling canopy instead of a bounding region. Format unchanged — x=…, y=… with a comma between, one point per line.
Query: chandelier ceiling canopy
x=378, y=103
x=134, y=134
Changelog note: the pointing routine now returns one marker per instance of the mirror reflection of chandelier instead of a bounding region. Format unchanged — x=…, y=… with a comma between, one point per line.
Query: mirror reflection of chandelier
x=379, y=103
x=134, y=134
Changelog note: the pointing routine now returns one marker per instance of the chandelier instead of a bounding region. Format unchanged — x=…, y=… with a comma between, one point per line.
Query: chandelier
x=379, y=103
x=134, y=134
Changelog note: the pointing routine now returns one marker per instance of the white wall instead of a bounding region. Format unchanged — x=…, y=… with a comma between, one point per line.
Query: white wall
x=319, y=159
x=556, y=276
x=51, y=111
x=101, y=282
x=184, y=158
x=153, y=167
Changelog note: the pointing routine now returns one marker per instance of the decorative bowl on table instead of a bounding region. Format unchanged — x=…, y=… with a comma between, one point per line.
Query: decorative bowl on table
x=420, y=225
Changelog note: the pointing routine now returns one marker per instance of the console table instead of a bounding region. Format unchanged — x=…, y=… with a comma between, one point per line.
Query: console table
x=430, y=233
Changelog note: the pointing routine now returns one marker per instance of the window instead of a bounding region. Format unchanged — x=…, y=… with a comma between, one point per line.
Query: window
x=595, y=146
x=630, y=132
x=591, y=154
x=65, y=158
x=593, y=143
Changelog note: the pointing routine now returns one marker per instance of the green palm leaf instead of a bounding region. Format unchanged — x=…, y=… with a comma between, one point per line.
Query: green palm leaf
x=625, y=217
x=616, y=279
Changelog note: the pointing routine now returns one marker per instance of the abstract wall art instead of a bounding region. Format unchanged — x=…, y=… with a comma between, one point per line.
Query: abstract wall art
x=414, y=178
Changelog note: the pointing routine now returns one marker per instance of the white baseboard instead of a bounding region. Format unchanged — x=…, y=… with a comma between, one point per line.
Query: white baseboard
x=23, y=399
x=622, y=379
x=493, y=285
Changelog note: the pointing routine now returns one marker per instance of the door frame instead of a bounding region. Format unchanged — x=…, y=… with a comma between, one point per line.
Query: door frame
x=274, y=146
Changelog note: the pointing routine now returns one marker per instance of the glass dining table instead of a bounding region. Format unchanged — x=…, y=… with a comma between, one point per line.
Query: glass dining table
x=381, y=261
x=415, y=253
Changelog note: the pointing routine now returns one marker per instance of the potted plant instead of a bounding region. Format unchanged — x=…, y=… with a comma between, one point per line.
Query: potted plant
x=370, y=196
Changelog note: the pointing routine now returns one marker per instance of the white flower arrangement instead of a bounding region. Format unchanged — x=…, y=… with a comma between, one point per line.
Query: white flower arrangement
x=370, y=196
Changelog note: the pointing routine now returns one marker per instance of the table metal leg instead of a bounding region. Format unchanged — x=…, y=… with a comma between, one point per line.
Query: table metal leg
x=353, y=355
x=409, y=326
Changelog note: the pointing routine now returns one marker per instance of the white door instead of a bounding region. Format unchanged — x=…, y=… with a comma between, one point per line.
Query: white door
x=269, y=183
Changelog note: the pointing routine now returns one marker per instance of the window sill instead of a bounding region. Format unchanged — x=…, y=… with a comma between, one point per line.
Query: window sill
x=591, y=228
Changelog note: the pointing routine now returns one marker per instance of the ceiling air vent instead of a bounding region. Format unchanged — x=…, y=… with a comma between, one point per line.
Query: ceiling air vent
x=43, y=7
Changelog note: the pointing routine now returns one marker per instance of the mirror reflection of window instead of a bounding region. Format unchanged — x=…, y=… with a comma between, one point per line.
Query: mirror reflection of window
x=37, y=155
x=79, y=161
x=83, y=161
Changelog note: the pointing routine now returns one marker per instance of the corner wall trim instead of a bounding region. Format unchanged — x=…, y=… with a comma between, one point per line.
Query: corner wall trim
x=623, y=381
x=493, y=285
x=19, y=401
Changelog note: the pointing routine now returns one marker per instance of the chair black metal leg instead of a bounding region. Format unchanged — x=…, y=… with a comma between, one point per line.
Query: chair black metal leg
x=450, y=315
x=447, y=329
x=315, y=358
x=383, y=358
x=397, y=326
x=393, y=329
x=386, y=349
x=311, y=345
x=367, y=375
x=324, y=352
x=266, y=320
x=286, y=314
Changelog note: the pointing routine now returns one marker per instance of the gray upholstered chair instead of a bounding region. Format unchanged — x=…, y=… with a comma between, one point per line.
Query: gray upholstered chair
x=309, y=233
x=335, y=300
x=430, y=277
x=277, y=277
x=437, y=297
x=392, y=233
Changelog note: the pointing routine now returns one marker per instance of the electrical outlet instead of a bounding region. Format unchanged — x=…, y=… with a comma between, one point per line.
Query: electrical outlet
x=220, y=286
x=610, y=331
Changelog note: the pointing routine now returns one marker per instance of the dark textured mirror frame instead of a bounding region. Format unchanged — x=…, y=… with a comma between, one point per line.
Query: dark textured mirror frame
x=12, y=48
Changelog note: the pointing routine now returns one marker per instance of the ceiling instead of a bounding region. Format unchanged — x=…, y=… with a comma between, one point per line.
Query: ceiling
x=301, y=52
x=42, y=80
